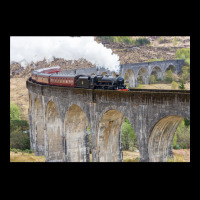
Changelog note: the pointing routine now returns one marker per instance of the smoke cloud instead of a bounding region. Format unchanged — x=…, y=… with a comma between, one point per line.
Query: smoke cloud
x=27, y=49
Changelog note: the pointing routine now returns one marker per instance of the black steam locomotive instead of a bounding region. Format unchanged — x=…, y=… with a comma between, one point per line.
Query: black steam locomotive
x=101, y=82
x=51, y=76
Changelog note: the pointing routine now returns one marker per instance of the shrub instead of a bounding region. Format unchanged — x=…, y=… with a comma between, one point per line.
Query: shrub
x=187, y=122
x=27, y=151
x=15, y=150
x=122, y=39
x=177, y=146
x=174, y=85
x=168, y=76
x=14, y=111
x=185, y=73
x=183, y=53
x=182, y=86
x=175, y=41
x=161, y=40
x=128, y=136
x=152, y=78
x=142, y=41
x=175, y=141
x=18, y=139
x=155, y=59
x=169, y=40
x=183, y=135
x=187, y=61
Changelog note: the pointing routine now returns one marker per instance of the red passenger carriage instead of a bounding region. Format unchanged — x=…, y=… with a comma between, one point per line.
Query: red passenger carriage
x=63, y=80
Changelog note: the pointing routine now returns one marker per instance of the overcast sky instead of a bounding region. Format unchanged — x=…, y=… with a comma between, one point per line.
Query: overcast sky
x=28, y=49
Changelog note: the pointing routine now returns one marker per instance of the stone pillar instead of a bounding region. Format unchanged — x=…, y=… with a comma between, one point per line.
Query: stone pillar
x=141, y=131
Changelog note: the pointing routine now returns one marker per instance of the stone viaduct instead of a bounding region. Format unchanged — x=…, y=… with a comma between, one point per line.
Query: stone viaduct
x=145, y=70
x=59, y=118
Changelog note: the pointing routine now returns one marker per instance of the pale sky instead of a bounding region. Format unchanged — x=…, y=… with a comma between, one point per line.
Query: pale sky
x=28, y=49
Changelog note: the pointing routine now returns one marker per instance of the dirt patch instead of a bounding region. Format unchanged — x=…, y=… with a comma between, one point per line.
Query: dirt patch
x=185, y=153
x=129, y=156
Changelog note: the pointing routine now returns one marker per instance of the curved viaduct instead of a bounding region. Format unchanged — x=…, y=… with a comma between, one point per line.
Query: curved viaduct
x=59, y=118
x=134, y=69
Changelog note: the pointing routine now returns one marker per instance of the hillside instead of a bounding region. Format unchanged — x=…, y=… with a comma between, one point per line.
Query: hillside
x=165, y=51
x=126, y=53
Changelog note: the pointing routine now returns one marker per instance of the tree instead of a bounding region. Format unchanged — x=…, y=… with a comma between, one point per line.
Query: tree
x=18, y=138
x=186, y=73
x=128, y=136
x=183, y=53
x=182, y=86
x=168, y=76
x=183, y=135
x=14, y=111
x=175, y=140
x=174, y=85
x=152, y=79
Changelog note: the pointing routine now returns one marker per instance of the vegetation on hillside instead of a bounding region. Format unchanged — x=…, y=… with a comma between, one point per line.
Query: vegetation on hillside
x=184, y=53
x=182, y=135
x=125, y=40
x=19, y=129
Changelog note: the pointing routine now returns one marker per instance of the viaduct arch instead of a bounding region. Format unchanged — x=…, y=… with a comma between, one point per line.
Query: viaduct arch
x=64, y=113
x=133, y=69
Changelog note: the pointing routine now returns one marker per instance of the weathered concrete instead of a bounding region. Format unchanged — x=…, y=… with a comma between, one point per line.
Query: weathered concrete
x=64, y=113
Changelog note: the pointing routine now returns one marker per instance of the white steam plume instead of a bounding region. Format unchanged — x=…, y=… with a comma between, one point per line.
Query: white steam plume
x=27, y=49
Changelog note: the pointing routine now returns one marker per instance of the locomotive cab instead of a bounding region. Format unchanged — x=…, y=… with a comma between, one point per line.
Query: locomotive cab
x=120, y=83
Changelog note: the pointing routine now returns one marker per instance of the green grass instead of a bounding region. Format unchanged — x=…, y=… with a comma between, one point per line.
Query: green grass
x=177, y=158
x=139, y=86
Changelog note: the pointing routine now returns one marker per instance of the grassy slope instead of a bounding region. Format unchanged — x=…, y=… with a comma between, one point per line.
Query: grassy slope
x=182, y=155
x=25, y=157
x=17, y=89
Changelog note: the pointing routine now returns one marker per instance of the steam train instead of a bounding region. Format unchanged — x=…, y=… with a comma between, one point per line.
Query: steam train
x=53, y=76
